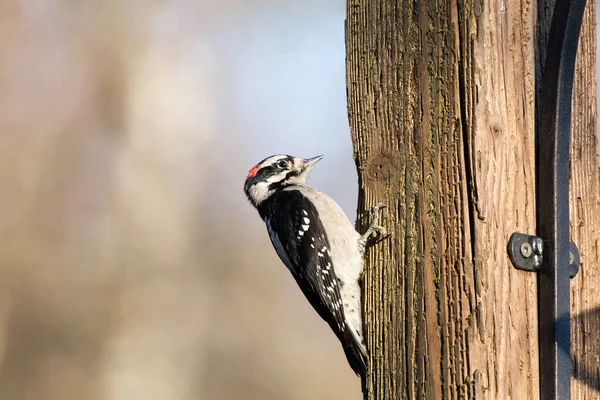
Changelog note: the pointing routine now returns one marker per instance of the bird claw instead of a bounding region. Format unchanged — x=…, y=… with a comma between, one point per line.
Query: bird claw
x=385, y=235
x=374, y=228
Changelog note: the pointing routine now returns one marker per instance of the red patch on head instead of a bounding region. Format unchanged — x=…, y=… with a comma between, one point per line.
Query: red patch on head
x=252, y=171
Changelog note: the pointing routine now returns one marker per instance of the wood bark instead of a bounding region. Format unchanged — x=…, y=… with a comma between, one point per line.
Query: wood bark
x=441, y=103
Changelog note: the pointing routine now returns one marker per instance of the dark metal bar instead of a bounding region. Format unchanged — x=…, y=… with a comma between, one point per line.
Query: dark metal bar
x=553, y=147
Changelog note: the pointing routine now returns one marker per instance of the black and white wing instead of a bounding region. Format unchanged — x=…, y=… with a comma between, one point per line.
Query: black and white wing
x=300, y=240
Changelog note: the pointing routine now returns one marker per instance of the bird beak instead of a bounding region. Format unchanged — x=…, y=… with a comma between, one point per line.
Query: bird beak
x=309, y=163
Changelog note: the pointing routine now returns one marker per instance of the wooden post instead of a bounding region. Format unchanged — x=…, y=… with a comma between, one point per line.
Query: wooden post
x=441, y=101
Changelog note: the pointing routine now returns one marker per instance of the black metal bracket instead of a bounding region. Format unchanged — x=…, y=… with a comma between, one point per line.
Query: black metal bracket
x=550, y=252
x=552, y=199
x=526, y=253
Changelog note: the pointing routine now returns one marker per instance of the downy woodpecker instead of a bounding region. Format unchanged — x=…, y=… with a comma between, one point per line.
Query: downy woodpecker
x=317, y=243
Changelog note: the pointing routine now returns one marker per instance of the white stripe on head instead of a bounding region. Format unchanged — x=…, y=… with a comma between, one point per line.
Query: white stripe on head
x=272, y=160
x=277, y=177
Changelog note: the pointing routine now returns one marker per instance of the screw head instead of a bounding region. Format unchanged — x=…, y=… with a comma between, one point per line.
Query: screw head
x=526, y=250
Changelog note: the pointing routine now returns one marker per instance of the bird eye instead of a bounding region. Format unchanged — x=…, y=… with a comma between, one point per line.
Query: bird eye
x=282, y=164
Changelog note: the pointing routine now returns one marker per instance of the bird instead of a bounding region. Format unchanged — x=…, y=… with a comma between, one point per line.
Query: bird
x=317, y=243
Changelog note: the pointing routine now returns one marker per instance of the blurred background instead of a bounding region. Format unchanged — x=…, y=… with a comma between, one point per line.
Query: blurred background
x=131, y=265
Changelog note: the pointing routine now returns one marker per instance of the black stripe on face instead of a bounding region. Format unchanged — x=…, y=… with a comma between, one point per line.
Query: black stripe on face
x=265, y=173
x=282, y=183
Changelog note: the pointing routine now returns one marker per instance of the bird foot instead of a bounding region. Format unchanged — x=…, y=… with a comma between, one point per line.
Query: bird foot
x=374, y=229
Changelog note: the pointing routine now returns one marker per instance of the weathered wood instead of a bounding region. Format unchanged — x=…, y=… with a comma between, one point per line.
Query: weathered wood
x=585, y=217
x=441, y=109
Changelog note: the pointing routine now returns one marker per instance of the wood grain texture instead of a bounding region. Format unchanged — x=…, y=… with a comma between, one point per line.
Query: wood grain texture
x=503, y=92
x=585, y=218
x=441, y=110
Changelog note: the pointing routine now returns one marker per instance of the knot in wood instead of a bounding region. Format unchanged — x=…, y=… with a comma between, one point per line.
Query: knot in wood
x=381, y=166
x=496, y=130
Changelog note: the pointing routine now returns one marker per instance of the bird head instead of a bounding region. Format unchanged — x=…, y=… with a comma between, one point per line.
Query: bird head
x=275, y=173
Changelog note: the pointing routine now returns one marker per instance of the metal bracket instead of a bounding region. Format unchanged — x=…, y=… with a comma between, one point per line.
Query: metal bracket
x=553, y=145
x=526, y=252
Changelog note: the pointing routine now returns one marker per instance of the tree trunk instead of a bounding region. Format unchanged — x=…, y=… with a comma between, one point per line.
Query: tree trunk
x=441, y=102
